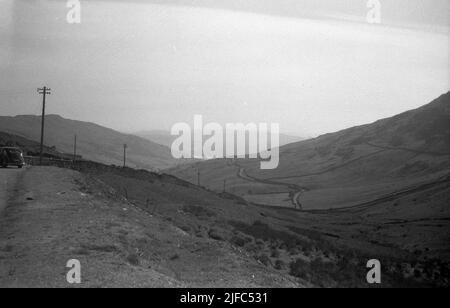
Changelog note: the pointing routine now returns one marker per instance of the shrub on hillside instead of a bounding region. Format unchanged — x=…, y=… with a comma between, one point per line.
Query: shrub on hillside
x=240, y=239
x=133, y=259
x=280, y=265
x=198, y=211
x=300, y=269
x=275, y=253
x=216, y=234
x=264, y=259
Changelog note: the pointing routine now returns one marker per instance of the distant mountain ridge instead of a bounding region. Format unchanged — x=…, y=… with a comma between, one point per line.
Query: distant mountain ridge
x=414, y=143
x=94, y=142
x=165, y=138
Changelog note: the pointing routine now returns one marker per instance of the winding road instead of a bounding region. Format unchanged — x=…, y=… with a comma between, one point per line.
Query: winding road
x=295, y=199
x=296, y=191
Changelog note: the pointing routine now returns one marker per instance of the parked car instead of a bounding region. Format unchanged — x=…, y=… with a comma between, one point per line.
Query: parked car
x=10, y=156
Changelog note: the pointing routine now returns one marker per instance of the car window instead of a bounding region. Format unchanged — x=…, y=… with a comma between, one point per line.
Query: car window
x=12, y=153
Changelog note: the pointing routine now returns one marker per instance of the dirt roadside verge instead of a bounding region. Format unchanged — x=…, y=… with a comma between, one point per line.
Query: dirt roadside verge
x=8, y=180
x=56, y=216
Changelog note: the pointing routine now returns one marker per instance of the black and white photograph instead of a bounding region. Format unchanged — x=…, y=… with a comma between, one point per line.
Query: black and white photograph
x=225, y=150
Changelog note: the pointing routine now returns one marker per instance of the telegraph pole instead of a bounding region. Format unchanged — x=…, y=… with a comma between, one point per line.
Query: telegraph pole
x=44, y=92
x=75, y=148
x=124, y=155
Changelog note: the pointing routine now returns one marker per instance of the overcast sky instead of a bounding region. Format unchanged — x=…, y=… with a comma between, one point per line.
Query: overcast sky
x=312, y=66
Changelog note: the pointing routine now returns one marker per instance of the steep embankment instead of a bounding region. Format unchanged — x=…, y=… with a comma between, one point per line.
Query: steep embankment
x=410, y=227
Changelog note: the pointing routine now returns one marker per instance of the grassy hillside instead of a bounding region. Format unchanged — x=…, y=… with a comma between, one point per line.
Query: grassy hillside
x=421, y=136
x=94, y=142
x=343, y=169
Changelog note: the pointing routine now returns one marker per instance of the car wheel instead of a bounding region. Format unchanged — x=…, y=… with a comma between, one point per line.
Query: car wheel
x=20, y=166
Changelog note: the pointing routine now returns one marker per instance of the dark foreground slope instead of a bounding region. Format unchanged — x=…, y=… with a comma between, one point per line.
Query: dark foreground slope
x=70, y=216
x=328, y=248
x=135, y=228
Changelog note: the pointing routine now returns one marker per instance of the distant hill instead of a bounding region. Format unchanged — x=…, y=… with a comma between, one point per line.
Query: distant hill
x=165, y=138
x=413, y=143
x=345, y=168
x=94, y=142
x=27, y=146
x=161, y=137
x=286, y=139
